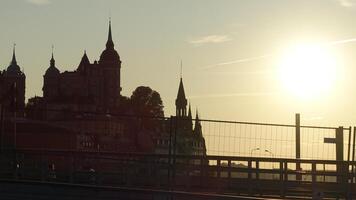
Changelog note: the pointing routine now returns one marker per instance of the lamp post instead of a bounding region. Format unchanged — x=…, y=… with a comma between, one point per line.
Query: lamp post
x=268, y=151
x=255, y=149
x=272, y=154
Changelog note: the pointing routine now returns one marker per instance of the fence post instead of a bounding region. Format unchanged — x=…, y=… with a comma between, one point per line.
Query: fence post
x=2, y=107
x=175, y=152
x=353, y=159
x=281, y=179
x=218, y=174
x=250, y=176
x=297, y=145
x=229, y=173
x=313, y=177
x=170, y=152
x=340, y=154
x=285, y=178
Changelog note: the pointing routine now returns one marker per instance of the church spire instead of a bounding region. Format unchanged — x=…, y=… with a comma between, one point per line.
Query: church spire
x=13, y=61
x=181, y=101
x=197, y=128
x=109, y=43
x=52, y=59
x=190, y=112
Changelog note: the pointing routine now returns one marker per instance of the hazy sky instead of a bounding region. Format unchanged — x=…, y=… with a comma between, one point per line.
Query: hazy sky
x=230, y=50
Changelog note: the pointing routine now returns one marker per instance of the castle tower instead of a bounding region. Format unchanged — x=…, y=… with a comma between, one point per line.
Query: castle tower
x=14, y=80
x=181, y=101
x=110, y=65
x=51, y=81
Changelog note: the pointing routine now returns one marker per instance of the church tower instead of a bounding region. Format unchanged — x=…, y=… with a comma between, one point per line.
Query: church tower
x=14, y=79
x=51, y=81
x=181, y=101
x=110, y=66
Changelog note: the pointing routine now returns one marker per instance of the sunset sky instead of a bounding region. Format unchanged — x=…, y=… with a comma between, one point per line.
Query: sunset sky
x=241, y=58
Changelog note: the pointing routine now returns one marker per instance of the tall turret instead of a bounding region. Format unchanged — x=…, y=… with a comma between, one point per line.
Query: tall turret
x=51, y=80
x=14, y=79
x=14, y=69
x=181, y=101
x=110, y=64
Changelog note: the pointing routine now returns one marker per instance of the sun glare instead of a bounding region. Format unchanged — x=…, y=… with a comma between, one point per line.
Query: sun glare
x=308, y=71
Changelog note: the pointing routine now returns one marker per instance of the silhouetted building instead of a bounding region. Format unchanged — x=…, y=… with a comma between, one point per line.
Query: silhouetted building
x=92, y=86
x=87, y=103
x=188, y=140
x=12, y=88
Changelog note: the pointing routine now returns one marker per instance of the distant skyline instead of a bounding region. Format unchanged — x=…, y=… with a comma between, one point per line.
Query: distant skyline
x=230, y=50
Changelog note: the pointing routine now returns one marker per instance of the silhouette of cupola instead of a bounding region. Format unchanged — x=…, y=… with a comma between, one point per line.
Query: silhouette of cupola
x=109, y=55
x=13, y=69
x=52, y=69
x=181, y=101
x=83, y=62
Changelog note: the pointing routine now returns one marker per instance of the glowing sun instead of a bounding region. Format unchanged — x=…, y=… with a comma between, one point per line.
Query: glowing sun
x=308, y=71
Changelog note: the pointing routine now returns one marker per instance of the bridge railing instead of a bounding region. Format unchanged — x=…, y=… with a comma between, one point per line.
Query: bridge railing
x=222, y=174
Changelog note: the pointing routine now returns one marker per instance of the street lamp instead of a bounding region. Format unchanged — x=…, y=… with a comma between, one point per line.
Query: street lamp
x=255, y=149
x=272, y=154
x=266, y=150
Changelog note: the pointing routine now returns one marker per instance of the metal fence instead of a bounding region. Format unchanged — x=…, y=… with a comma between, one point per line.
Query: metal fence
x=233, y=138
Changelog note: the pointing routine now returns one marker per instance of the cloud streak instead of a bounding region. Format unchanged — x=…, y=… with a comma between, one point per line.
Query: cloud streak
x=241, y=94
x=210, y=39
x=38, y=2
x=261, y=57
x=347, y=3
x=342, y=41
x=242, y=60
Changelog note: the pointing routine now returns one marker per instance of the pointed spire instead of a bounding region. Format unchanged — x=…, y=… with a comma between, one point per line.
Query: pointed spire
x=181, y=93
x=13, y=61
x=196, y=115
x=52, y=59
x=181, y=68
x=13, y=68
x=181, y=101
x=197, y=128
x=84, y=62
x=109, y=43
x=85, y=59
x=190, y=112
x=52, y=50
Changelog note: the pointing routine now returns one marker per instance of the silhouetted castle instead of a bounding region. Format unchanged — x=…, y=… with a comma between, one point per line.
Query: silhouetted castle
x=93, y=88
x=12, y=88
x=96, y=84
x=189, y=140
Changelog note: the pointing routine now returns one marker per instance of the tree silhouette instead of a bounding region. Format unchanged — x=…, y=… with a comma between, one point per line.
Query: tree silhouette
x=147, y=102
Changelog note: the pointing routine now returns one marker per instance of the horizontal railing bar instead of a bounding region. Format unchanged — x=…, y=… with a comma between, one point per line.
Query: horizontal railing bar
x=121, y=115
x=267, y=124
x=134, y=190
x=133, y=155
